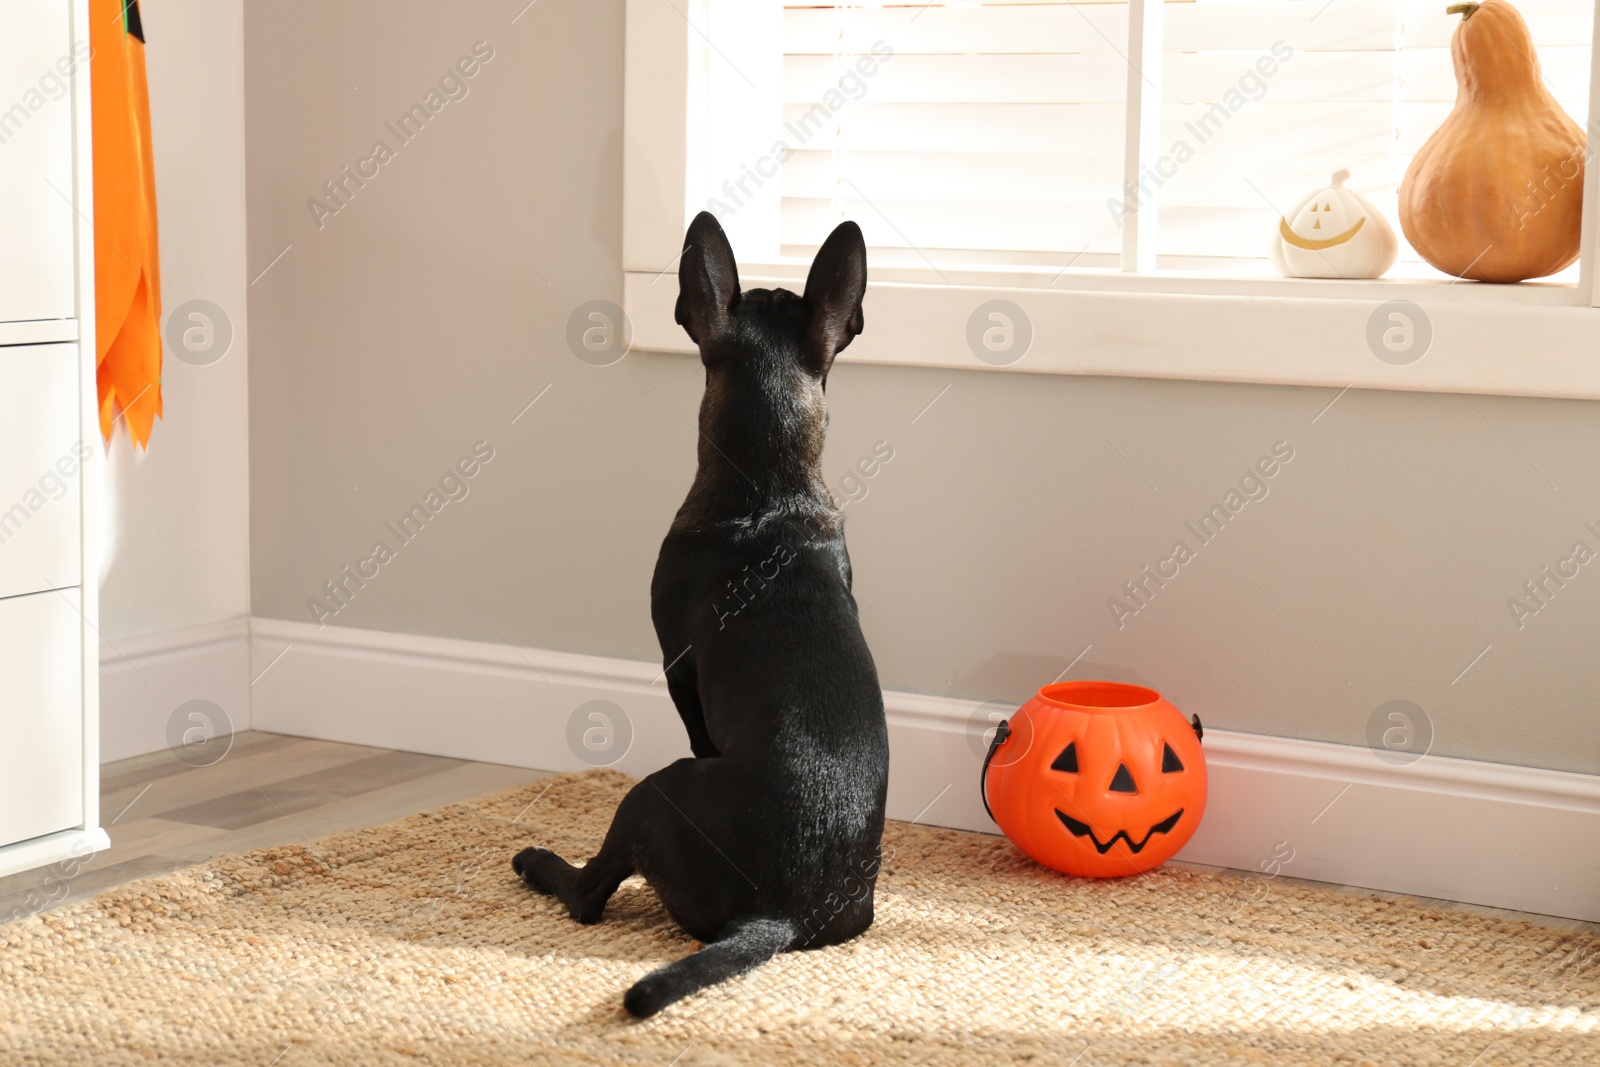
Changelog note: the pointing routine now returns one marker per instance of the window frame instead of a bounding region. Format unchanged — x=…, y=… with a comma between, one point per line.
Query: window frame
x=1528, y=339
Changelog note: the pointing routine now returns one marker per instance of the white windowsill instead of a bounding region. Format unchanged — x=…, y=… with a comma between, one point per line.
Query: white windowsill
x=1518, y=340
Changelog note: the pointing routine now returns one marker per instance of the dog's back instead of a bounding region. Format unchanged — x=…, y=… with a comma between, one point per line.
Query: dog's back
x=789, y=696
x=766, y=840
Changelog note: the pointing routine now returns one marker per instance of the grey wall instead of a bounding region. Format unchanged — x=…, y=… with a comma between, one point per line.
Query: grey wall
x=1377, y=567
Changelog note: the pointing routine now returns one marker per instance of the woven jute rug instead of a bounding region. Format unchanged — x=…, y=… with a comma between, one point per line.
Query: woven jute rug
x=414, y=943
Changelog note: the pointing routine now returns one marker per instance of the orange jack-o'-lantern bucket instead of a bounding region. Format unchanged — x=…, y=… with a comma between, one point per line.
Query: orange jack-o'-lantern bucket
x=1097, y=779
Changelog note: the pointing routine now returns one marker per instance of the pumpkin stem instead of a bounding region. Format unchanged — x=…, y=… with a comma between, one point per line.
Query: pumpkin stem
x=1464, y=10
x=1340, y=177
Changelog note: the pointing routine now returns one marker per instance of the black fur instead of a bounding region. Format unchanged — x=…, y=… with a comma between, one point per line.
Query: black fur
x=767, y=840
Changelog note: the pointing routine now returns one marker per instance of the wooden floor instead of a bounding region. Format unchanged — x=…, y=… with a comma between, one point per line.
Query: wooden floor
x=163, y=814
x=273, y=790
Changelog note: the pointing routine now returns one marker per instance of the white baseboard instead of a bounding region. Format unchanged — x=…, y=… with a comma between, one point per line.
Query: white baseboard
x=1512, y=837
x=144, y=680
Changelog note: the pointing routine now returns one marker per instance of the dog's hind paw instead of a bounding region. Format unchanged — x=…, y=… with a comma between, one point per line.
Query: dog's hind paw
x=524, y=863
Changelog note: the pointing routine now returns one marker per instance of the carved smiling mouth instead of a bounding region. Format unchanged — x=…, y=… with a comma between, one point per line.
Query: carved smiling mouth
x=1080, y=829
x=1314, y=244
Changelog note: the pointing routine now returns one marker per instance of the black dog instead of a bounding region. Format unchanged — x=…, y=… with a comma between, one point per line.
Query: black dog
x=767, y=840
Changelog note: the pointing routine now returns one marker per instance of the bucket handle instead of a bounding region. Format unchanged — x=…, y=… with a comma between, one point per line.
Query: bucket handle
x=1001, y=732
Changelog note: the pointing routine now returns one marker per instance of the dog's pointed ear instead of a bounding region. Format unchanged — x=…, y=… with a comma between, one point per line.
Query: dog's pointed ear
x=708, y=282
x=834, y=289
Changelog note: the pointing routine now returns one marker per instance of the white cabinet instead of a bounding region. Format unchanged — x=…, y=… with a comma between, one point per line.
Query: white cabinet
x=49, y=647
x=41, y=460
x=40, y=67
x=41, y=688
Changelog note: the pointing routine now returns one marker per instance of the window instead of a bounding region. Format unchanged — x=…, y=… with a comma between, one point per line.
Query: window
x=973, y=133
x=1083, y=159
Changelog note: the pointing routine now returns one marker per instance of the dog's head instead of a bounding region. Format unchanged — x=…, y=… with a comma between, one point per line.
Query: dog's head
x=767, y=352
x=771, y=333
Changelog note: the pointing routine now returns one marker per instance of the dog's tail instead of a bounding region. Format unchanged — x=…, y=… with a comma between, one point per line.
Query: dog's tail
x=747, y=945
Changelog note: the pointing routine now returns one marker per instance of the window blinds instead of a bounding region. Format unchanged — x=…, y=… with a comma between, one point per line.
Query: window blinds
x=991, y=129
x=994, y=133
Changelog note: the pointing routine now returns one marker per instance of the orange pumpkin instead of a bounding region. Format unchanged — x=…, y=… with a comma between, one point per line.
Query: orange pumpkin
x=1496, y=194
x=1097, y=779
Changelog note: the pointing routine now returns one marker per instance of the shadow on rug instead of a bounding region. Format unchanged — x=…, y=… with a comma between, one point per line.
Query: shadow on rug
x=415, y=943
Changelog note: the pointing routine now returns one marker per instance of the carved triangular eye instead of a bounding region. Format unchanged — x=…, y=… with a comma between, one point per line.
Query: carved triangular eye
x=1068, y=760
x=1170, y=764
x=1122, y=781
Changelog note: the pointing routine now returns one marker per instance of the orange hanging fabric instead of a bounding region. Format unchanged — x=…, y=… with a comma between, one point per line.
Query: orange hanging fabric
x=127, y=267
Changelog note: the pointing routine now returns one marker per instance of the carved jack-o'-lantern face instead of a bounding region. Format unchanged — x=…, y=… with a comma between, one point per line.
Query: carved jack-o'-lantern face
x=1325, y=221
x=1334, y=233
x=1097, y=779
